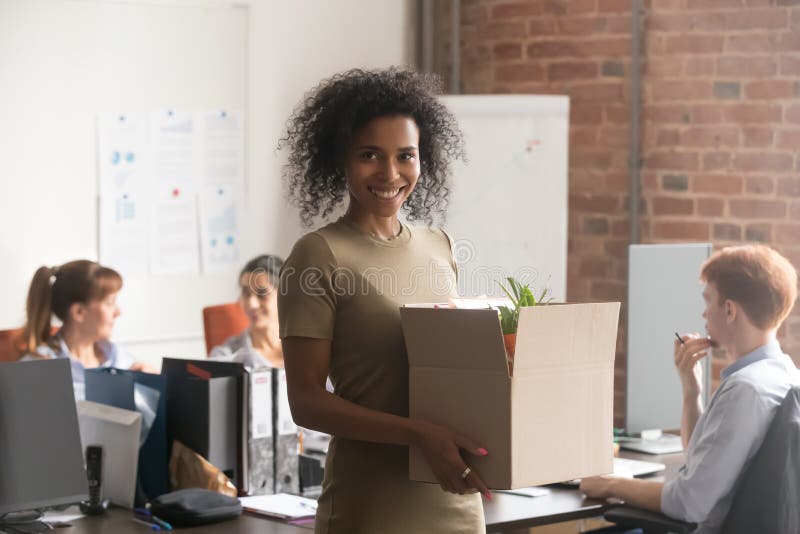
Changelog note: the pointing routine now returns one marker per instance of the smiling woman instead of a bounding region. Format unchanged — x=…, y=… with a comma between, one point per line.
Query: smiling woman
x=321, y=132
x=382, y=169
x=383, y=140
x=259, y=344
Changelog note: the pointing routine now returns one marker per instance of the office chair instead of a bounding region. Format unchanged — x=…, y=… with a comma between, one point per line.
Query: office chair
x=11, y=345
x=768, y=491
x=221, y=322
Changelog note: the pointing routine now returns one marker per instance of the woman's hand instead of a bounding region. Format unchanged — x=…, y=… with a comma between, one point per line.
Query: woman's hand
x=687, y=357
x=441, y=448
x=144, y=367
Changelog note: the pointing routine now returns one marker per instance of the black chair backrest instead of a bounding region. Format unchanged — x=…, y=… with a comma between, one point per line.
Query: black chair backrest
x=768, y=493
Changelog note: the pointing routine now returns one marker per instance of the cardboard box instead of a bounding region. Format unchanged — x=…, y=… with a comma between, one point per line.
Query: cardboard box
x=551, y=421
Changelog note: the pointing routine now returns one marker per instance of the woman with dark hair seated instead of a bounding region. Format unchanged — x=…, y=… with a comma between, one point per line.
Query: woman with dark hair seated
x=259, y=345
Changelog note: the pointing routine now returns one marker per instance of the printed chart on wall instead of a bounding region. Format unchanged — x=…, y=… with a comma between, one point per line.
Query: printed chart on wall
x=171, y=186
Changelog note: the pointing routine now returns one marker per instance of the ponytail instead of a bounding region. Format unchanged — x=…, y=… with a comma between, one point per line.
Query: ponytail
x=39, y=309
x=54, y=290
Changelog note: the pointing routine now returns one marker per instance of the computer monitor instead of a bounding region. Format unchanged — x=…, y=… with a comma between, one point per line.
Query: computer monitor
x=664, y=297
x=41, y=462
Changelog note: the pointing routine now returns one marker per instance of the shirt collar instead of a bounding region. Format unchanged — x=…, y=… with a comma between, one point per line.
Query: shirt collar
x=771, y=349
x=61, y=345
x=106, y=347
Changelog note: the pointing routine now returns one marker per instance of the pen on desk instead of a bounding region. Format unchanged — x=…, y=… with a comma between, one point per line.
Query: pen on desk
x=512, y=492
x=144, y=514
x=152, y=526
x=160, y=522
x=679, y=338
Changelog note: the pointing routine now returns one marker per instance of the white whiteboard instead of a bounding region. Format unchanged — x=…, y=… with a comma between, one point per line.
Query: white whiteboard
x=664, y=297
x=508, y=209
x=72, y=60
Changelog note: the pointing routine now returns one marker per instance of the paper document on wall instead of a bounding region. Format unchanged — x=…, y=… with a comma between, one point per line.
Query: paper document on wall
x=223, y=146
x=174, y=246
x=170, y=191
x=176, y=148
x=124, y=181
x=220, y=227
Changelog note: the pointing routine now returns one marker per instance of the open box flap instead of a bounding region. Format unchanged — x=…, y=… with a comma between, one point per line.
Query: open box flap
x=450, y=338
x=566, y=335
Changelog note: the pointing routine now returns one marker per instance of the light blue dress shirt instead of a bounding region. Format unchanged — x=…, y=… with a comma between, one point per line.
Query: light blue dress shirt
x=727, y=436
x=57, y=348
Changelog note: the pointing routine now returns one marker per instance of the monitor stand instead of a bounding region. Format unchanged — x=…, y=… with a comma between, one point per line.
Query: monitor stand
x=660, y=444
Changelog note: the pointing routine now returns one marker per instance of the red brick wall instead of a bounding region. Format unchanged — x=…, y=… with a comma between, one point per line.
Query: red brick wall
x=721, y=129
x=720, y=123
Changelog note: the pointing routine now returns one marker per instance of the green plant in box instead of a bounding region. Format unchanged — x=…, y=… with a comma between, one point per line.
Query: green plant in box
x=521, y=296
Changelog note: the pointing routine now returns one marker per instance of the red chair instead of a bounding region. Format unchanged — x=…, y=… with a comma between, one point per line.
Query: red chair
x=12, y=345
x=221, y=322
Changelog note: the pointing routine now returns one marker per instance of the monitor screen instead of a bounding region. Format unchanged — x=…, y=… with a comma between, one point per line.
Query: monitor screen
x=665, y=296
x=41, y=461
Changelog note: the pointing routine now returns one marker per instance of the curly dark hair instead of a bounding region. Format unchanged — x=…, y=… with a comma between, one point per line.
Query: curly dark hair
x=322, y=126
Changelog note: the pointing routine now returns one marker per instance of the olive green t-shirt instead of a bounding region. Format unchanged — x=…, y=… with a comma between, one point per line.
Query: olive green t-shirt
x=342, y=284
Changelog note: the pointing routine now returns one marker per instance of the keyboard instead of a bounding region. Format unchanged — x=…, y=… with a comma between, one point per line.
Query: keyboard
x=626, y=468
x=666, y=444
x=636, y=468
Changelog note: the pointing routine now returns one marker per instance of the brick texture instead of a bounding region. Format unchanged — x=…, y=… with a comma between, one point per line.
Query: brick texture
x=746, y=135
x=720, y=122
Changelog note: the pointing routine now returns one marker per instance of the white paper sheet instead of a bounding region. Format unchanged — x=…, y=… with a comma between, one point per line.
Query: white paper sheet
x=223, y=146
x=54, y=517
x=220, y=219
x=171, y=191
x=280, y=505
x=174, y=247
x=124, y=182
x=175, y=144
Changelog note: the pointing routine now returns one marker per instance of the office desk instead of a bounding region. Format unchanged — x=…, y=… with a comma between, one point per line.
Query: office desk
x=511, y=512
x=119, y=521
x=505, y=512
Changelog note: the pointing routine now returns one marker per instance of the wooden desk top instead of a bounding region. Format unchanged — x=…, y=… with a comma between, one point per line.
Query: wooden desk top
x=120, y=521
x=507, y=512
x=504, y=512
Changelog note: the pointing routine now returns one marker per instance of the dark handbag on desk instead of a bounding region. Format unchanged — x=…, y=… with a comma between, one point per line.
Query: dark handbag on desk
x=194, y=506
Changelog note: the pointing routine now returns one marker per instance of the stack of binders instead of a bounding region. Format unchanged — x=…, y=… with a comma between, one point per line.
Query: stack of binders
x=238, y=418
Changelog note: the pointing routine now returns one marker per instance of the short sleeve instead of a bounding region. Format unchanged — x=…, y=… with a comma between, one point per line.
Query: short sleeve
x=452, y=245
x=306, y=297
